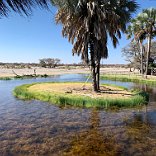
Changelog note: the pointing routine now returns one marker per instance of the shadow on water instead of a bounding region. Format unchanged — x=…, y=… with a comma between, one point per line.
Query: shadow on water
x=140, y=136
x=94, y=141
x=31, y=128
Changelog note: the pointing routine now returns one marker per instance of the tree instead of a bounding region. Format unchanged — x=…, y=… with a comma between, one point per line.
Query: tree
x=88, y=23
x=42, y=63
x=135, y=29
x=49, y=62
x=149, y=18
x=134, y=56
x=143, y=26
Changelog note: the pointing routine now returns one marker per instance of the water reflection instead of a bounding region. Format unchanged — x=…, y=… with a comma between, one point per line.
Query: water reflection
x=139, y=136
x=147, y=88
x=29, y=128
x=94, y=141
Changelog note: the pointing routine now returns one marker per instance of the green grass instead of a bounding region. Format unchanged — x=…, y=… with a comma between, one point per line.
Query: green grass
x=127, y=78
x=65, y=99
x=29, y=76
x=23, y=77
x=5, y=78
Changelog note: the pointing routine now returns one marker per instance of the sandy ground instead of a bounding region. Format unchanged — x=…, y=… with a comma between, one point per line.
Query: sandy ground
x=57, y=71
x=81, y=89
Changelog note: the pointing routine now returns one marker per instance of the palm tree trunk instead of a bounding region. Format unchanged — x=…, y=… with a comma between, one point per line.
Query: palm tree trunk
x=141, y=49
x=148, y=53
x=93, y=70
x=98, y=76
x=93, y=67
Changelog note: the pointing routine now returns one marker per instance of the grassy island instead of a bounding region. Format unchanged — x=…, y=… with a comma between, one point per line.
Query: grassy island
x=80, y=95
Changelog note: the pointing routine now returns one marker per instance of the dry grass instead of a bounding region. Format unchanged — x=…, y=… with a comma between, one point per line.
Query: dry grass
x=80, y=89
x=4, y=72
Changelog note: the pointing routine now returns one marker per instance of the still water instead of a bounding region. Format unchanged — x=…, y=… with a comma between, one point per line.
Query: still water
x=34, y=128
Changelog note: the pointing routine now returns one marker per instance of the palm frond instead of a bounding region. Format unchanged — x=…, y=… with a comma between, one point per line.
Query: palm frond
x=87, y=23
x=20, y=6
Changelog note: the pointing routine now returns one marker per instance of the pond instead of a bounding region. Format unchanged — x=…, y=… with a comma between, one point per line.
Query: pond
x=38, y=128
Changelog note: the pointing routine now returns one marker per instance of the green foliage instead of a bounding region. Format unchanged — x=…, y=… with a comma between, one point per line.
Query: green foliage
x=30, y=76
x=126, y=78
x=143, y=27
x=22, y=92
x=5, y=78
x=49, y=62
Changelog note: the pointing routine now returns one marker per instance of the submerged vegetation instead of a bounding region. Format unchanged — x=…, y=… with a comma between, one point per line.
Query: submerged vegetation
x=94, y=141
x=27, y=92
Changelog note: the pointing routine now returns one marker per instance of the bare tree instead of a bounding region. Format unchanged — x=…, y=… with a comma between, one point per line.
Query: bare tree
x=133, y=55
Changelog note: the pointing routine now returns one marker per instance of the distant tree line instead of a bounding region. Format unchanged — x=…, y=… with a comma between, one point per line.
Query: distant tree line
x=18, y=65
x=53, y=63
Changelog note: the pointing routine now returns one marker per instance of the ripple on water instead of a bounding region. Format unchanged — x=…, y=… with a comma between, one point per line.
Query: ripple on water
x=38, y=128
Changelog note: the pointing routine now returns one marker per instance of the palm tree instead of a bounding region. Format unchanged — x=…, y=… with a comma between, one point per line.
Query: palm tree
x=136, y=29
x=149, y=18
x=144, y=26
x=88, y=23
x=20, y=6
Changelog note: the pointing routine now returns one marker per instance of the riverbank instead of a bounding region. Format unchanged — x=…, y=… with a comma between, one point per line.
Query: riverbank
x=7, y=73
x=130, y=78
x=78, y=95
x=117, y=74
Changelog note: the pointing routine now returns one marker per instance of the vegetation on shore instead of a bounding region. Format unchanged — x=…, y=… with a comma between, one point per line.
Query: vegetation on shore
x=23, y=77
x=77, y=100
x=5, y=78
x=127, y=78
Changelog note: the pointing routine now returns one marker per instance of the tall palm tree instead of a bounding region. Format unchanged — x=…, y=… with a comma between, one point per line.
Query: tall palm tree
x=88, y=23
x=20, y=6
x=136, y=30
x=149, y=18
x=144, y=26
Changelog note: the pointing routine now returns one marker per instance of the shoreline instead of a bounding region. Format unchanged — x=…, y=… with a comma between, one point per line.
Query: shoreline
x=4, y=72
x=114, y=74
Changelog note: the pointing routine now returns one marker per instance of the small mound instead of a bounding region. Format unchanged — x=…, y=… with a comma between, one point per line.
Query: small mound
x=80, y=95
x=81, y=90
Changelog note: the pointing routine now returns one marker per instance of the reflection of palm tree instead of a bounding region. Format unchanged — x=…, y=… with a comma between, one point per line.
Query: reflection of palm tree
x=94, y=142
x=137, y=132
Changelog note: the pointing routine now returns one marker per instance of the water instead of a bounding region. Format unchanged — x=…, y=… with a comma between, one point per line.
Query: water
x=37, y=128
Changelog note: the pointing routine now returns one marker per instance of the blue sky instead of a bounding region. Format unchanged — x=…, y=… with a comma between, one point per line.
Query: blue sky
x=28, y=39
